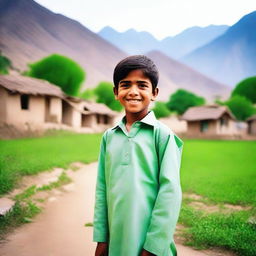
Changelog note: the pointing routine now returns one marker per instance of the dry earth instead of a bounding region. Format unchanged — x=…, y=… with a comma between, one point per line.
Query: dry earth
x=59, y=230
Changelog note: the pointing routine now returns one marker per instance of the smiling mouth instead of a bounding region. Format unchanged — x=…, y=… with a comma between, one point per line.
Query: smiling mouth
x=133, y=100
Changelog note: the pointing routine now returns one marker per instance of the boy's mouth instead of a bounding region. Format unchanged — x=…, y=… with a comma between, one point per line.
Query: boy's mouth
x=133, y=100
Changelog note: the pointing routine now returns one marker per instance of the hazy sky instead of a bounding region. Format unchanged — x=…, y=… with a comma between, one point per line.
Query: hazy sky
x=160, y=17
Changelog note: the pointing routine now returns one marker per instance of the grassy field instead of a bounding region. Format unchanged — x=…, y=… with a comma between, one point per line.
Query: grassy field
x=219, y=171
x=223, y=171
x=32, y=155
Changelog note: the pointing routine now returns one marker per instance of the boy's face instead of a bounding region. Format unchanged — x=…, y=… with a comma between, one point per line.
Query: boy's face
x=135, y=92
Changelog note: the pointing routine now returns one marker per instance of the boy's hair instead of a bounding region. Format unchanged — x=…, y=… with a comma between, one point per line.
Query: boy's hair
x=135, y=62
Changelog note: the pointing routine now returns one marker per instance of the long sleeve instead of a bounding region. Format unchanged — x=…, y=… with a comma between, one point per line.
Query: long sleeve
x=168, y=202
x=100, y=223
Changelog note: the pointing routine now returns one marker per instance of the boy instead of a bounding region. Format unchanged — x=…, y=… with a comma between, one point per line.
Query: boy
x=138, y=192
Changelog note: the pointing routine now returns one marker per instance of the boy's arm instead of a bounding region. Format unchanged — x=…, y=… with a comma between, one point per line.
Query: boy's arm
x=100, y=223
x=167, y=206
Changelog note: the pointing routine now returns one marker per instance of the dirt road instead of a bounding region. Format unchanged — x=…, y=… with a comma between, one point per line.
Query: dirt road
x=59, y=230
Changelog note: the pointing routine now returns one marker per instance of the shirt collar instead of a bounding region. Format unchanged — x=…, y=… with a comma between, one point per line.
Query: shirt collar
x=149, y=119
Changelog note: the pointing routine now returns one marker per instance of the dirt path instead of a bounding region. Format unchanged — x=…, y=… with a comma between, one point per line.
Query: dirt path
x=59, y=230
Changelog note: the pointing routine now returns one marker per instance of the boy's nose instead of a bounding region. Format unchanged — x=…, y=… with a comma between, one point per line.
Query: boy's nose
x=133, y=90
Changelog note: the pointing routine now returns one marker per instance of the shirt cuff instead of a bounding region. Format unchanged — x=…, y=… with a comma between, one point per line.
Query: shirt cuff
x=154, y=248
x=100, y=237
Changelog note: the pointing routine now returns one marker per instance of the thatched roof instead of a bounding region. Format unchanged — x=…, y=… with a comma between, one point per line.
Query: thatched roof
x=210, y=112
x=29, y=85
x=34, y=86
x=90, y=106
x=98, y=108
x=251, y=118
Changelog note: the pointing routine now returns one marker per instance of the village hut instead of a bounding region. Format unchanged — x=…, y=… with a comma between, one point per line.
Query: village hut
x=32, y=103
x=93, y=114
x=28, y=100
x=211, y=120
x=251, y=121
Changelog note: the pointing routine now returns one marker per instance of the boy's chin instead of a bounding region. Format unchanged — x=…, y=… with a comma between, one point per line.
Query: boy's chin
x=136, y=111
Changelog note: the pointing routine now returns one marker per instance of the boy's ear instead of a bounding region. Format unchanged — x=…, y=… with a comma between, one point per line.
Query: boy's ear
x=154, y=94
x=115, y=90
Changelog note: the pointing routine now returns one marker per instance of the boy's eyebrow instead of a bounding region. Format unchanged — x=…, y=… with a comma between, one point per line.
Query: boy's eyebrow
x=128, y=81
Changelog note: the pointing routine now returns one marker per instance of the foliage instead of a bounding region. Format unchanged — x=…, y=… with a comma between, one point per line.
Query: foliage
x=246, y=88
x=181, y=100
x=88, y=94
x=160, y=109
x=241, y=107
x=59, y=70
x=22, y=212
x=104, y=94
x=5, y=64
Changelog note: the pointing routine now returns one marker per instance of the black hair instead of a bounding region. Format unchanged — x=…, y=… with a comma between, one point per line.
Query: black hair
x=135, y=62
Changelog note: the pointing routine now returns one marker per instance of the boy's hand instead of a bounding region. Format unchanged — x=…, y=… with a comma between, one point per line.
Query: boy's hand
x=146, y=253
x=101, y=249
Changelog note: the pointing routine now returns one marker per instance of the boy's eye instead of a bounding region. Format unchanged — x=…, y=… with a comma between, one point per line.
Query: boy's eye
x=124, y=85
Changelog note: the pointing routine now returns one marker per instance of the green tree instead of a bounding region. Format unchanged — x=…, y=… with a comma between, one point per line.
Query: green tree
x=88, y=94
x=160, y=109
x=246, y=88
x=5, y=64
x=104, y=94
x=181, y=100
x=59, y=70
x=241, y=107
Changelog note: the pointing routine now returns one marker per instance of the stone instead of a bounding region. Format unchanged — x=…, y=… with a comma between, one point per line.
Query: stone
x=6, y=205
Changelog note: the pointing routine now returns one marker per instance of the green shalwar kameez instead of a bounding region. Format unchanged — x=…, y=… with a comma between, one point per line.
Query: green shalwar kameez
x=138, y=193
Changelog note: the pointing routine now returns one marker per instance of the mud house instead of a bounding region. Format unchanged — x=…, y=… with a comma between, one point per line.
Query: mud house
x=212, y=120
x=251, y=121
x=29, y=103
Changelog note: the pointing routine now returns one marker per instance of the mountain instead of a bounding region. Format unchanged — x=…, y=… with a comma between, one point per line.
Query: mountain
x=130, y=41
x=230, y=57
x=175, y=75
x=29, y=32
x=134, y=42
x=190, y=39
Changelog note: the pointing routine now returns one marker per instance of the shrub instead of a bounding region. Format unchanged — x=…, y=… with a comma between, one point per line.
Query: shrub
x=160, y=109
x=247, y=89
x=241, y=107
x=5, y=64
x=181, y=100
x=104, y=94
x=59, y=70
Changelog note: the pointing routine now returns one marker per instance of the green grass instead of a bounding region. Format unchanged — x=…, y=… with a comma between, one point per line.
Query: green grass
x=223, y=171
x=220, y=171
x=21, y=213
x=231, y=231
x=29, y=156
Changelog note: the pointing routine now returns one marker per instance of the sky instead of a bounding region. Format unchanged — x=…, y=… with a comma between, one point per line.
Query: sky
x=161, y=18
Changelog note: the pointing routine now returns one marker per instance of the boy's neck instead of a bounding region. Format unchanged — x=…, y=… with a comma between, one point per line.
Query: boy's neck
x=133, y=117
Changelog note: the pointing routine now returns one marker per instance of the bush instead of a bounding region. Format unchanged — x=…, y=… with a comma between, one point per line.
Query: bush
x=5, y=64
x=160, y=109
x=104, y=94
x=181, y=100
x=88, y=94
x=247, y=89
x=241, y=107
x=59, y=70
